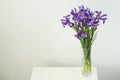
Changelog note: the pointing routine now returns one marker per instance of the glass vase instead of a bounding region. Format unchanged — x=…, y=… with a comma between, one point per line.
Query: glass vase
x=86, y=62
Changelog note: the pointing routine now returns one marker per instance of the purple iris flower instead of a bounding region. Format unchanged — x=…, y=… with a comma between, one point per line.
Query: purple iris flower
x=78, y=36
x=66, y=20
x=81, y=34
x=98, y=12
x=88, y=24
x=74, y=14
x=103, y=17
x=81, y=8
x=85, y=36
x=79, y=25
x=82, y=17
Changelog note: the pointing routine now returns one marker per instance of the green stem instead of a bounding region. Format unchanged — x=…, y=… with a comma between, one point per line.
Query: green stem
x=86, y=61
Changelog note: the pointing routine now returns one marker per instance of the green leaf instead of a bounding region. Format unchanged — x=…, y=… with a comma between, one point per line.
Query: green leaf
x=93, y=39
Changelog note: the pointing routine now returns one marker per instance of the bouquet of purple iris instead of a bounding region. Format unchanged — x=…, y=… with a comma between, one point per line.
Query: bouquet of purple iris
x=85, y=23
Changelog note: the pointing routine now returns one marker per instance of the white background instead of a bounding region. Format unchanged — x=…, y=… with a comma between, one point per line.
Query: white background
x=31, y=34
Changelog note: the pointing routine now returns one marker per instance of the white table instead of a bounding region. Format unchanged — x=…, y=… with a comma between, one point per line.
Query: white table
x=61, y=73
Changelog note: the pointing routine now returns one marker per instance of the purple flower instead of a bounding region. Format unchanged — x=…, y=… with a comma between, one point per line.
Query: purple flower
x=81, y=18
x=81, y=34
x=98, y=12
x=81, y=8
x=79, y=25
x=74, y=14
x=84, y=17
x=89, y=24
x=103, y=17
x=66, y=20
x=85, y=36
x=78, y=36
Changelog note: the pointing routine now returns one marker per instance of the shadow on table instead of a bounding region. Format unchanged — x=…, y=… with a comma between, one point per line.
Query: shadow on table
x=108, y=73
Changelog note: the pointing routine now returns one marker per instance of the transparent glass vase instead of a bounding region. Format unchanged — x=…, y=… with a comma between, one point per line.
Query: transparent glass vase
x=86, y=61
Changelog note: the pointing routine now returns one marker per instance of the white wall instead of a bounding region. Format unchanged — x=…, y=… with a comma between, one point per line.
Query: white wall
x=31, y=35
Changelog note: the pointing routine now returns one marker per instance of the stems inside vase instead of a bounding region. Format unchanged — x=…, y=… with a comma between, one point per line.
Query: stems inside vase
x=86, y=63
